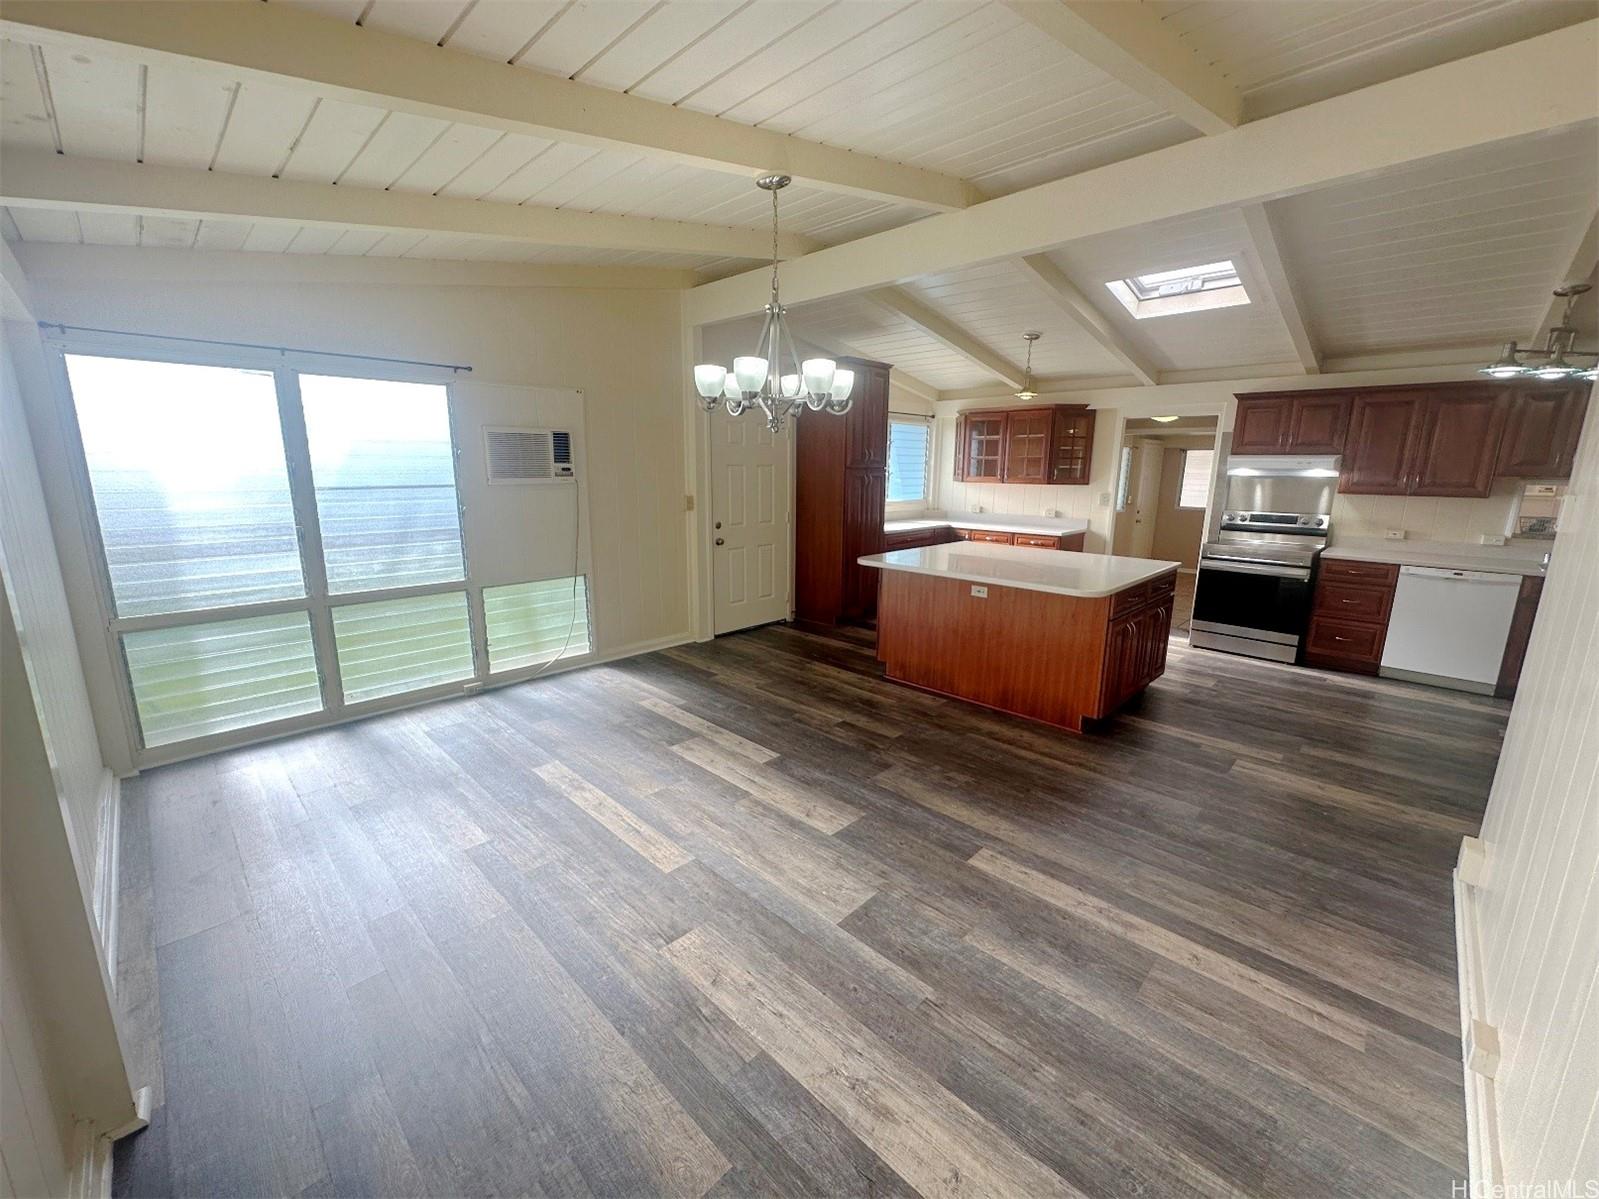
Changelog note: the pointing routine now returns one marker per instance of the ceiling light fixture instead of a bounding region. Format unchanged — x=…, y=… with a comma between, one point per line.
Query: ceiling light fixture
x=759, y=379
x=1165, y=420
x=1027, y=392
x=1554, y=361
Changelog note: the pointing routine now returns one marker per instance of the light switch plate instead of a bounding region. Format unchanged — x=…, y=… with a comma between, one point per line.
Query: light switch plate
x=1395, y=534
x=979, y=591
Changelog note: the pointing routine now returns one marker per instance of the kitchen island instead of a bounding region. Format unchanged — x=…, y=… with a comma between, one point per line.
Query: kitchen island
x=1053, y=635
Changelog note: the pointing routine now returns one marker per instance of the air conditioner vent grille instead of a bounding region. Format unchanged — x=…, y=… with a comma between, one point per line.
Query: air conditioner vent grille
x=520, y=455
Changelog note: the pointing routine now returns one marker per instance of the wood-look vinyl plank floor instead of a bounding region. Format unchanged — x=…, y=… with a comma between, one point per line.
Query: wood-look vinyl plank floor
x=744, y=918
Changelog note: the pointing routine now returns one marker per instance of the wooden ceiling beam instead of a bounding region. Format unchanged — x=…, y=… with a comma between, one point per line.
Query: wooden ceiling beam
x=286, y=46
x=1267, y=245
x=1134, y=47
x=1514, y=91
x=37, y=179
x=1077, y=307
x=947, y=333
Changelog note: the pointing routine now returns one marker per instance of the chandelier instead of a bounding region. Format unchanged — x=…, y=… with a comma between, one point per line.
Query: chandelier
x=760, y=380
x=1555, y=360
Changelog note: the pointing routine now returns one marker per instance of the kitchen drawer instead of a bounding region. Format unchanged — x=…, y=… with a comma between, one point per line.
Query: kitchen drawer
x=1126, y=601
x=1037, y=540
x=907, y=539
x=1162, y=588
x=1347, y=570
x=1354, y=601
x=986, y=535
x=1349, y=644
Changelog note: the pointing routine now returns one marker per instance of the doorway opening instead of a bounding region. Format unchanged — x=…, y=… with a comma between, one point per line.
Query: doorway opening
x=1164, y=482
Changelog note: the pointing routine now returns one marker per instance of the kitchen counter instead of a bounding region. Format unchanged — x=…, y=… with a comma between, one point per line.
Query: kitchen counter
x=1443, y=555
x=1059, y=572
x=989, y=522
x=1053, y=635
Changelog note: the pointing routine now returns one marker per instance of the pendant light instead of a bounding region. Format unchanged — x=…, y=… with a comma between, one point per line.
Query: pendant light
x=1554, y=361
x=1027, y=392
x=773, y=378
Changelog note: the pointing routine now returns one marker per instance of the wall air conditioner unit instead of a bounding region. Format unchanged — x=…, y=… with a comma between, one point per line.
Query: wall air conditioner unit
x=523, y=455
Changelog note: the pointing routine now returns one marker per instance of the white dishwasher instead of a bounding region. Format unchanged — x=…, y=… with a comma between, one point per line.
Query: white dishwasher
x=1450, y=626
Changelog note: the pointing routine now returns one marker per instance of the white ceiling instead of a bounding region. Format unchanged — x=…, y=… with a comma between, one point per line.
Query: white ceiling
x=1457, y=251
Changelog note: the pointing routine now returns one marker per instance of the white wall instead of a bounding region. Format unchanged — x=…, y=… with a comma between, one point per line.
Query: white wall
x=621, y=346
x=1537, y=913
x=33, y=575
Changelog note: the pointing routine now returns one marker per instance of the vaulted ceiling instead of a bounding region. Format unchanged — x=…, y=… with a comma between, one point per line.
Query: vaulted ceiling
x=628, y=132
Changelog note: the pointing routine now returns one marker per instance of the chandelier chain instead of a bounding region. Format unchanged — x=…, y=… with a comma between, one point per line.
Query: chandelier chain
x=774, y=245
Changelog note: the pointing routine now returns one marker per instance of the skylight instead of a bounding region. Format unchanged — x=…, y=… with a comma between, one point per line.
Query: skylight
x=1186, y=289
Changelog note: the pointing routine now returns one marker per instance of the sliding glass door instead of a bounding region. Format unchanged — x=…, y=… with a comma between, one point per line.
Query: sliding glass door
x=282, y=548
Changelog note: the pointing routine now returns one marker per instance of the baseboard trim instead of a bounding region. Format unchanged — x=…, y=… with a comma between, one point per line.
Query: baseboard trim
x=1482, y=1112
x=104, y=889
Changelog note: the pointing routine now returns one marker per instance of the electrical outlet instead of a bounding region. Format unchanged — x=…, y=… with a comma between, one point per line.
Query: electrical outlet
x=979, y=591
x=688, y=503
x=1493, y=538
x=1395, y=535
x=975, y=509
x=1051, y=513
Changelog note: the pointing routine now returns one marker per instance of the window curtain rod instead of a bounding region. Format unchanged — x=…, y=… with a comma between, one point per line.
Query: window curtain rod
x=250, y=345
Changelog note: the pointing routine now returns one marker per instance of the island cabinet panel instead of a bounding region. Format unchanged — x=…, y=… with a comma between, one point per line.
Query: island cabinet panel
x=1050, y=657
x=1540, y=440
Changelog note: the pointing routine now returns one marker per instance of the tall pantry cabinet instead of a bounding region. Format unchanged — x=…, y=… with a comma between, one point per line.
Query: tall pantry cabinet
x=841, y=485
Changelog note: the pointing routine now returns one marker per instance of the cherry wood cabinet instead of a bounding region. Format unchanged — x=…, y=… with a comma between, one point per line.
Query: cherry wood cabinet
x=841, y=477
x=910, y=539
x=1071, y=444
x=1541, y=432
x=1312, y=422
x=1027, y=456
x=1041, y=541
x=1383, y=429
x=1458, y=444
x=1025, y=445
x=979, y=447
x=1349, y=615
x=1520, y=634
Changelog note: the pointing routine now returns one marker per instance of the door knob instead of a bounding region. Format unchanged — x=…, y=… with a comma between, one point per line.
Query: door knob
x=718, y=541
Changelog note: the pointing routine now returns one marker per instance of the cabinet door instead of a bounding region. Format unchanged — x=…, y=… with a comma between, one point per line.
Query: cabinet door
x=1027, y=445
x=1383, y=431
x=1123, y=649
x=866, y=423
x=1459, y=444
x=982, y=447
x=1540, y=438
x=1520, y=634
x=1317, y=424
x=1071, y=447
x=1261, y=425
x=864, y=493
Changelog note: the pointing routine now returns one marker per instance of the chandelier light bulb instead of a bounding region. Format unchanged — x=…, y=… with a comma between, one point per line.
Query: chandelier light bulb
x=843, y=384
x=730, y=387
x=750, y=372
x=819, y=375
x=708, y=379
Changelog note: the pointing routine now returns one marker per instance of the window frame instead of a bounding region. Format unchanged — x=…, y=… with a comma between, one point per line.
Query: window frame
x=926, y=499
x=317, y=603
x=1182, y=474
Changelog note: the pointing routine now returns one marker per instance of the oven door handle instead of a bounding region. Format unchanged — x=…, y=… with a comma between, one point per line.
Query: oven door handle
x=1276, y=570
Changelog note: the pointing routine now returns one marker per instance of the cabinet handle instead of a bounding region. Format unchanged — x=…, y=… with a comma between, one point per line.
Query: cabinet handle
x=1346, y=601
x=1336, y=637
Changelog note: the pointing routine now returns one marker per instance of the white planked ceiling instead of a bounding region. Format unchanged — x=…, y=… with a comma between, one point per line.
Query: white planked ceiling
x=1286, y=53
x=1455, y=251
x=873, y=331
x=1247, y=335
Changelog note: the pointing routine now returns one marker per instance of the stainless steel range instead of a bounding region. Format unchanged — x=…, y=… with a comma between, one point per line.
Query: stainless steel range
x=1253, y=592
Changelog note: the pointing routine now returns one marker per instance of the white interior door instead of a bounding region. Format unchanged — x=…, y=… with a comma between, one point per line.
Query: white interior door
x=1145, y=499
x=750, y=506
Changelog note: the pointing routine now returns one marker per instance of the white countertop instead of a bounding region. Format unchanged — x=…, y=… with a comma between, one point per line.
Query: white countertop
x=1063, y=572
x=989, y=522
x=1445, y=555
